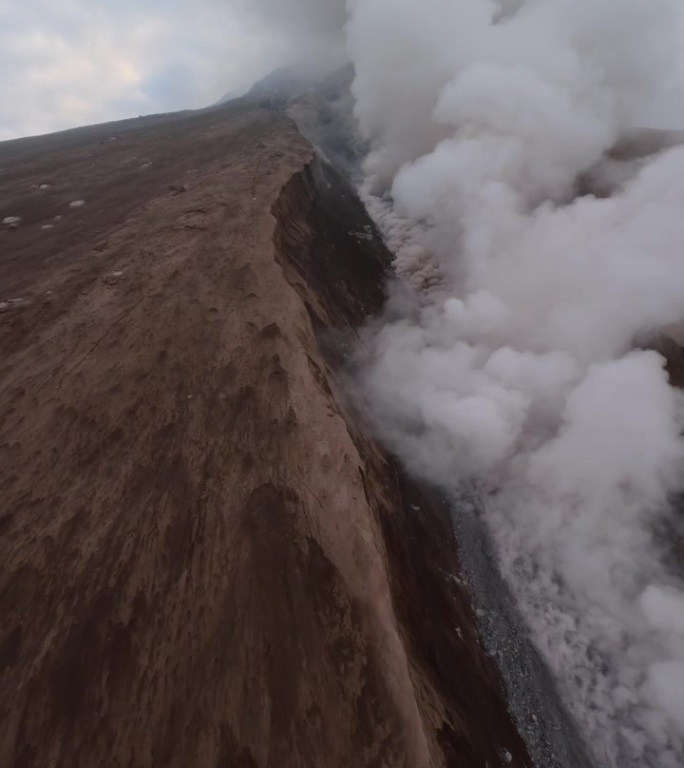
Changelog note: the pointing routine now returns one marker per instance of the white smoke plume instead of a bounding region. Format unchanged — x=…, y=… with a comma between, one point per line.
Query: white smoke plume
x=516, y=368
x=519, y=371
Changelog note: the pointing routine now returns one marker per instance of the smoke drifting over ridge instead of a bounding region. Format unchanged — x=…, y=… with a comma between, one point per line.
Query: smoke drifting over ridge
x=314, y=30
x=516, y=370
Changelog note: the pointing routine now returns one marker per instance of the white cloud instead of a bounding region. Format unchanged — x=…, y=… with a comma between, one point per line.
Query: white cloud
x=72, y=62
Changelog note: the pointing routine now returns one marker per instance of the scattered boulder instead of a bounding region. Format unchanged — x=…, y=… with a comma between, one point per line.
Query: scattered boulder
x=10, y=304
x=113, y=278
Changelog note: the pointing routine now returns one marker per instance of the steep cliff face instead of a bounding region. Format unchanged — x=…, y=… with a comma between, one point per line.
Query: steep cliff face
x=205, y=559
x=332, y=254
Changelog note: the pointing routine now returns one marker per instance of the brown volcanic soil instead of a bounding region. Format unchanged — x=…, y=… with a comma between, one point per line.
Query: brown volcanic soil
x=203, y=559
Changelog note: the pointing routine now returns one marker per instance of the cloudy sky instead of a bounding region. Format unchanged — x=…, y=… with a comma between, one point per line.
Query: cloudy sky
x=65, y=63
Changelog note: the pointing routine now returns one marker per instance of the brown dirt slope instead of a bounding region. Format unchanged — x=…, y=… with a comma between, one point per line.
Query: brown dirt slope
x=203, y=561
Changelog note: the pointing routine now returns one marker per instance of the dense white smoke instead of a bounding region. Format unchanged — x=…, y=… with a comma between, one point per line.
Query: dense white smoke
x=516, y=368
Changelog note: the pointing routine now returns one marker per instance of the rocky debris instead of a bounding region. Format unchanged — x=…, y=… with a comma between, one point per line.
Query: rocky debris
x=10, y=305
x=11, y=222
x=113, y=278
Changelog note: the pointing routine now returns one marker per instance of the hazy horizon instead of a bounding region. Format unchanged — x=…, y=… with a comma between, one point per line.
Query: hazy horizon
x=69, y=64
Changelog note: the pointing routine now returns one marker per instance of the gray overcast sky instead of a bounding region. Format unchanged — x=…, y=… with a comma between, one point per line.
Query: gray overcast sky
x=65, y=63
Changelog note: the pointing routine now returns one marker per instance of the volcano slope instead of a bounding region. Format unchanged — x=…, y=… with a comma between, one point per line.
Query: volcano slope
x=204, y=561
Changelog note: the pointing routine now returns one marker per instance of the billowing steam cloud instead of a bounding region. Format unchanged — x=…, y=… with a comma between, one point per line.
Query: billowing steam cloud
x=516, y=370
